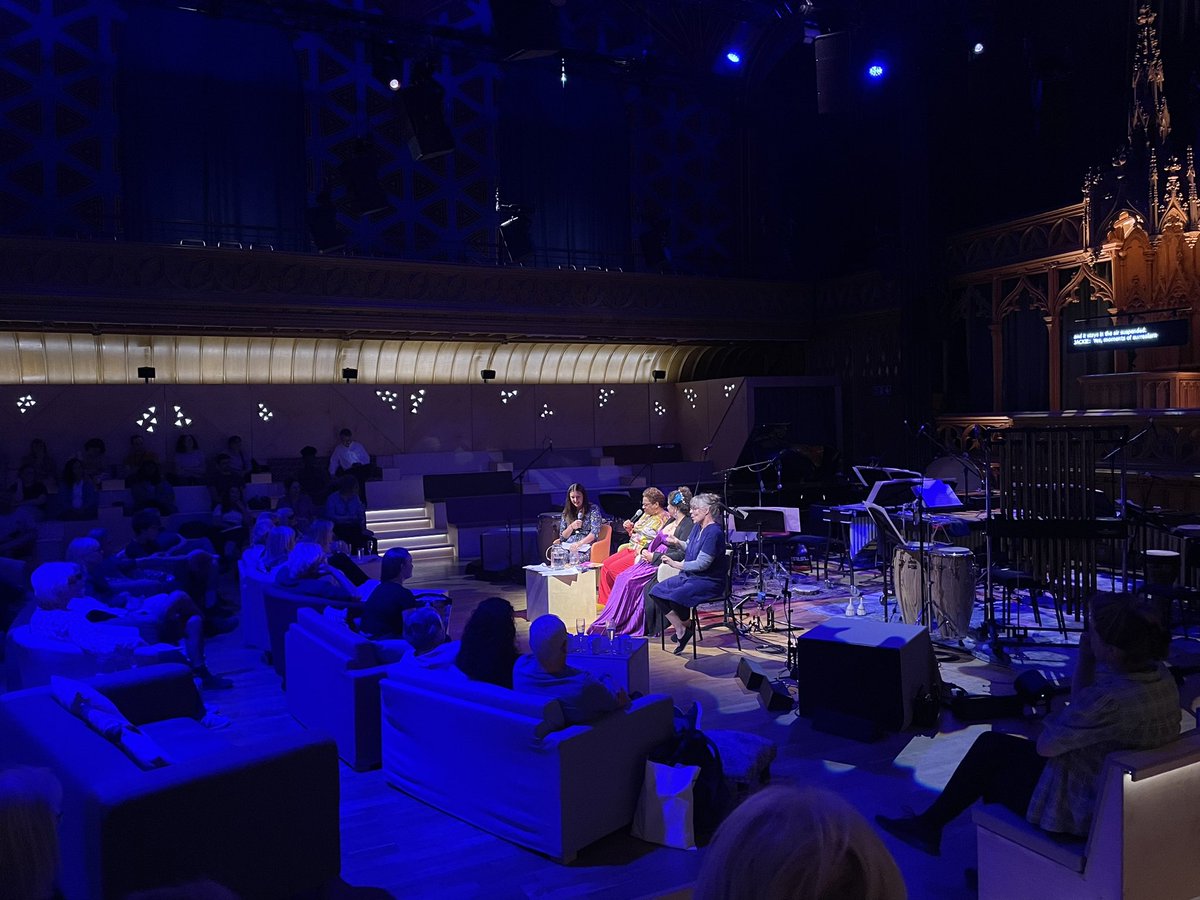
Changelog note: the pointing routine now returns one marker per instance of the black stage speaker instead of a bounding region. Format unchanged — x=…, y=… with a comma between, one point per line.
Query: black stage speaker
x=773, y=695
x=861, y=677
x=834, y=79
x=750, y=674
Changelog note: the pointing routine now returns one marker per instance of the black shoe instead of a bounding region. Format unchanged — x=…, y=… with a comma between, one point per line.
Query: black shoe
x=914, y=831
x=688, y=633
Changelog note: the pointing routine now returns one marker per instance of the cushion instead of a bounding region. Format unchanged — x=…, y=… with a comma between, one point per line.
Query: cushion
x=391, y=651
x=332, y=626
x=84, y=701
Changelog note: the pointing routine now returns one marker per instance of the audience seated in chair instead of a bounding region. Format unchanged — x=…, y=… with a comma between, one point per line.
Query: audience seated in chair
x=797, y=844
x=30, y=491
x=488, y=648
x=544, y=671
x=30, y=806
x=95, y=463
x=149, y=490
x=18, y=529
x=349, y=457
x=77, y=494
x=300, y=503
x=383, y=615
x=1122, y=698
x=223, y=477
x=190, y=466
x=41, y=461
x=150, y=540
x=280, y=541
x=138, y=454
x=349, y=516
x=321, y=533
x=424, y=633
x=307, y=572
x=239, y=460
x=113, y=634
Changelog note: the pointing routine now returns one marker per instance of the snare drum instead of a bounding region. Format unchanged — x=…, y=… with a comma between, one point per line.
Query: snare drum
x=906, y=576
x=952, y=576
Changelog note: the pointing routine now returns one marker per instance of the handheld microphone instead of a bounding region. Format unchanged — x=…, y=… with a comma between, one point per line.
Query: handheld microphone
x=637, y=515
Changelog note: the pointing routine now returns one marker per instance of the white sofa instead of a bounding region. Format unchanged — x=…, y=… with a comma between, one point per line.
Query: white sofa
x=502, y=761
x=1146, y=828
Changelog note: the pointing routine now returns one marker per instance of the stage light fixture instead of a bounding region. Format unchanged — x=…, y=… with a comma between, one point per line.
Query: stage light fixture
x=394, y=84
x=659, y=374
x=350, y=375
x=978, y=48
x=734, y=57
x=487, y=375
x=146, y=373
x=875, y=70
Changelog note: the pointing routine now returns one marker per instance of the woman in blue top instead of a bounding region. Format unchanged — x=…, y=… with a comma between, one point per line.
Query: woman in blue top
x=702, y=571
x=580, y=522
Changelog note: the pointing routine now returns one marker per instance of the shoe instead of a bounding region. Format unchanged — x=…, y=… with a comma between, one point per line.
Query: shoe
x=214, y=721
x=688, y=633
x=207, y=681
x=914, y=831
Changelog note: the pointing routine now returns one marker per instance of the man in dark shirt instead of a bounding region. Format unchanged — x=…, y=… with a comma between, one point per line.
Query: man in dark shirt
x=148, y=537
x=383, y=613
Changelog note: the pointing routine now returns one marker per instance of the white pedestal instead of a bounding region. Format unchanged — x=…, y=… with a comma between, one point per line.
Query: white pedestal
x=630, y=670
x=568, y=593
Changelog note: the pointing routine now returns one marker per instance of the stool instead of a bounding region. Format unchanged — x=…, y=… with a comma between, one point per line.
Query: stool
x=1168, y=595
x=1013, y=580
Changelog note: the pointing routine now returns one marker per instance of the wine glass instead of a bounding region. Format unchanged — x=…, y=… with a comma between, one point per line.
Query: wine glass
x=580, y=631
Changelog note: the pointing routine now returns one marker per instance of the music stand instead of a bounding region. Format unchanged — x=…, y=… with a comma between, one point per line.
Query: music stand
x=893, y=493
x=759, y=521
x=933, y=493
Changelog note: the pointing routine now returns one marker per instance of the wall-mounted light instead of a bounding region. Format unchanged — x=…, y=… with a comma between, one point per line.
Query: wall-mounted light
x=265, y=413
x=690, y=395
x=659, y=409
x=546, y=411
x=26, y=403
x=505, y=396
x=415, y=400
x=388, y=397
x=181, y=417
x=729, y=389
x=604, y=396
x=147, y=419
x=146, y=373
x=350, y=375
x=659, y=374
x=487, y=375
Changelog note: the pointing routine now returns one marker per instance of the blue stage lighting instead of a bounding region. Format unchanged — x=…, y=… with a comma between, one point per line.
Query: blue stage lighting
x=734, y=57
x=875, y=70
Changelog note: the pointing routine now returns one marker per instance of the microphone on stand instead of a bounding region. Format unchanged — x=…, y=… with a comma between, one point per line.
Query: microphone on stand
x=778, y=472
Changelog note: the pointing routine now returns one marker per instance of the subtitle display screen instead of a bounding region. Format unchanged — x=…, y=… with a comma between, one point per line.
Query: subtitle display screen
x=1169, y=333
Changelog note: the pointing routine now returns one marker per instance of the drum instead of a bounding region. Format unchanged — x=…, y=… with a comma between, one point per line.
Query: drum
x=547, y=533
x=906, y=576
x=1162, y=567
x=952, y=576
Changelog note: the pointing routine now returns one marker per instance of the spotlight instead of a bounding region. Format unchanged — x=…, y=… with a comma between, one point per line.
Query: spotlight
x=659, y=374
x=978, y=48
x=394, y=84
x=487, y=375
x=146, y=373
x=734, y=57
x=350, y=375
x=875, y=70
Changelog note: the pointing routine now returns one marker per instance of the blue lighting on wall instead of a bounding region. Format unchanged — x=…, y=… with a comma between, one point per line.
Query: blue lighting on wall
x=734, y=57
x=875, y=70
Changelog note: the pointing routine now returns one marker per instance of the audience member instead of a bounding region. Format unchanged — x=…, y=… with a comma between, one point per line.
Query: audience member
x=239, y=460
x=18, y=529
x=110, y=633
x=191, y=468
x=149, y=538
x=232, y=518
x=223, y=477
x=95, y=465
x=138, y=454
x=321, y=532
x=77, y=495
x=488, y=648
x=314, y=480
x=425, y=632
x=280, y=542
x=29, y=491
x=383, y=613
x=149, y=490
x=702, y=570
x=300, y=503
x=39, y=458
x=307, y=572
x=1122, y=698
x=351, y=458
x=786, y=843
x=30, y=804
x=544, y=671
x=104, y=579
x=349, y=516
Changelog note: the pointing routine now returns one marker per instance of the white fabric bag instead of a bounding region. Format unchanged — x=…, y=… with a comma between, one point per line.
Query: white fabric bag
x=664, y=810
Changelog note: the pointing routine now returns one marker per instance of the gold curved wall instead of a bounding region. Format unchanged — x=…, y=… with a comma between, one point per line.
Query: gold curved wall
x=62, y=358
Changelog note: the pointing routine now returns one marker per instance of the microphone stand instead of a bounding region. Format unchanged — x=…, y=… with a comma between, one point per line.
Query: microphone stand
x=519, y=481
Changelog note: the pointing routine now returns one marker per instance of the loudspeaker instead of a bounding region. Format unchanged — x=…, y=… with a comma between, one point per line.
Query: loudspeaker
x=750, y=674
x=857, y=675
x=360, y=176
x=422, y=122
x=775, y=696
x=834, y=81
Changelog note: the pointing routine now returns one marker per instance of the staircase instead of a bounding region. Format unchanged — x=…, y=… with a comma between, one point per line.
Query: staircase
x=412, y=529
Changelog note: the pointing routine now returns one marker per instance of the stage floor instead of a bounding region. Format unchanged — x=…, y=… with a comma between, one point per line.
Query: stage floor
x=393, y=843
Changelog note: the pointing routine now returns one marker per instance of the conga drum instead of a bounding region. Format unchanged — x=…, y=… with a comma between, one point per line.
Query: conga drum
x=547, y=532
x=906, y=576
x=1162, y=567
x=952, y=576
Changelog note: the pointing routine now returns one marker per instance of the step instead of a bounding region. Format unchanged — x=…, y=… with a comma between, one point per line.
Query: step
x=386, y=526
x=408, y=512
x=412, y=541
x=438, y=549
x=446, y=552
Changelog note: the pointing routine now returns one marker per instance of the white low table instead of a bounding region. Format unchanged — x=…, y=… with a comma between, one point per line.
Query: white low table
x=629, y=669
x=568, y=593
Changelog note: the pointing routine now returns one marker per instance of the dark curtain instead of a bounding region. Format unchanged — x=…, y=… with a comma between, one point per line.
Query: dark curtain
x=565, y=151
x=1026, y=362
x=211, y=130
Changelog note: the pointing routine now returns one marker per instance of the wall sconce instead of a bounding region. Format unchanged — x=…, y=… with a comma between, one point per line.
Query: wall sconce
x=146, y=373
x=350, y=375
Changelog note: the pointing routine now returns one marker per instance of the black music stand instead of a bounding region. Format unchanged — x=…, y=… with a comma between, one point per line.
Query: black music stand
x=759, y=521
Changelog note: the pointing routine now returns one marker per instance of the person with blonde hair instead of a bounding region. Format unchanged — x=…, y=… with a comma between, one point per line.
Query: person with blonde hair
x=308, y=572
x=788, y=843
x=30, y=801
